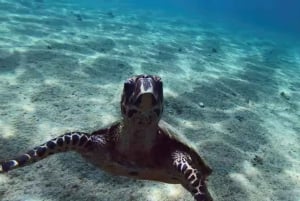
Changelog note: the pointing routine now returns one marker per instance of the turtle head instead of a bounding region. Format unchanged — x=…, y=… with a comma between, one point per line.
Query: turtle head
x=142, y=99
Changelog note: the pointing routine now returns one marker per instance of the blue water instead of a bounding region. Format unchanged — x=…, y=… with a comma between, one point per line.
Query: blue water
x=272, y=15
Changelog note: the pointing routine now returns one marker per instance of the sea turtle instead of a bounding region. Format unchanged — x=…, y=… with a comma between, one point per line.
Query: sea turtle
x=140, y=145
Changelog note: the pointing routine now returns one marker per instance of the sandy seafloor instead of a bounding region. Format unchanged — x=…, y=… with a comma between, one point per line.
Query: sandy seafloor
x=62, y=68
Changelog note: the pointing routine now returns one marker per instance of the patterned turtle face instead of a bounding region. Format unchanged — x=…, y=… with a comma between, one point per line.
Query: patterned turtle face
x=142, y=99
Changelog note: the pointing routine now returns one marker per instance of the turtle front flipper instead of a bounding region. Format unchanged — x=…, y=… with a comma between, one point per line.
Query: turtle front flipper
x=67, y=142
x=191, y=177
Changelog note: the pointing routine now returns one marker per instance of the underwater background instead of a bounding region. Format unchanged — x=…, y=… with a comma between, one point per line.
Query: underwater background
x=231, y=73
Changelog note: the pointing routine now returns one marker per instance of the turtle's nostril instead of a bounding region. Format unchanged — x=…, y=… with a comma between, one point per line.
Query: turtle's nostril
x=138, y=101
x=131, y=112
x=123, y=109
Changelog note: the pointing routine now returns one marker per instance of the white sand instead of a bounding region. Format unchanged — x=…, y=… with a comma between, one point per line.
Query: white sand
x=59, y=73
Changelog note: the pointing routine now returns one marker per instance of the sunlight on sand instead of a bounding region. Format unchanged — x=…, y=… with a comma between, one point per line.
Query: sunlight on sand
x=277, y=127
x=34, y=198
x=247, y=178
x=242, y=180
x=7, y=130
x=155, y=194
x=250, y=170
x=174, y=190
x=9, y=78
x=45, y=129
x=168, y=190
x=28, y=106
x=3, y=178
x=51, y=81
x=108, y=119
x=293, y=174
x=170, y=93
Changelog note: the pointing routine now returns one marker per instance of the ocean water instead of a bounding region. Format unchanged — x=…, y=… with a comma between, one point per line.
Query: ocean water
x=231, y=73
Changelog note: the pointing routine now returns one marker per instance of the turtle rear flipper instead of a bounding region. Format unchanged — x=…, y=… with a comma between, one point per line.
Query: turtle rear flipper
x=67, y=142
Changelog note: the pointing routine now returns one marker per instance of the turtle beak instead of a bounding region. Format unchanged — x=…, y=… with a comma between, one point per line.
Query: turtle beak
x=145, y=94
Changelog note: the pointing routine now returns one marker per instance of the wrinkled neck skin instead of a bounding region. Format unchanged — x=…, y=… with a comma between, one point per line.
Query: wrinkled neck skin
x=138, y=134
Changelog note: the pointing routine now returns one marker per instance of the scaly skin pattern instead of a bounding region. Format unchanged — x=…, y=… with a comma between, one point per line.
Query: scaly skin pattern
x=139, y=146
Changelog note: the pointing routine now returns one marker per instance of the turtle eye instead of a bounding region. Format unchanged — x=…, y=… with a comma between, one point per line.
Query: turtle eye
x=159, y=85
x=156, y=78
x=128, y=87
x=157, y=112
x=159, y=89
